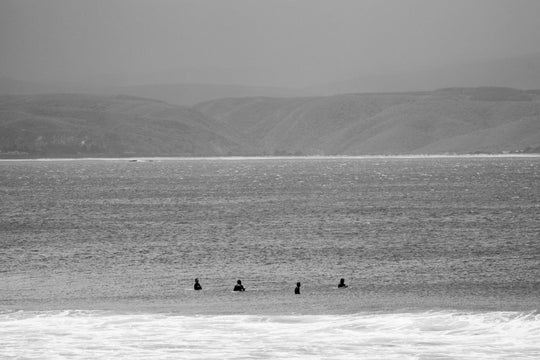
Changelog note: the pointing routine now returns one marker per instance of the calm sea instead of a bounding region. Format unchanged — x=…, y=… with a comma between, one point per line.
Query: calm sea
x=441, y=255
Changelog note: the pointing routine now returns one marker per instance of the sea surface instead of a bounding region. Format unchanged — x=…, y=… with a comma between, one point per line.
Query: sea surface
x=441, y=255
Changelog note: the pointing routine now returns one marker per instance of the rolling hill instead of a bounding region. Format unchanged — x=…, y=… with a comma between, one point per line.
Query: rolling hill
x=87, y=125
x=454, y=120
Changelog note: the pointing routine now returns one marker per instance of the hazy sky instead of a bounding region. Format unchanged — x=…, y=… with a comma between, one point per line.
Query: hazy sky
x=263, y=42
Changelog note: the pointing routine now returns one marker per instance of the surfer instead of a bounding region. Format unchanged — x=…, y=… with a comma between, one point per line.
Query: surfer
x=342, y=284
x=197, y=286
x=239, y=286
x=297, y=288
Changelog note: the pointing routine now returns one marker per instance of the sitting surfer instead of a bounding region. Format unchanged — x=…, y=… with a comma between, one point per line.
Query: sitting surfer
x=197, y=286
x=342, y=284
x=239, y=286
x=297, y=288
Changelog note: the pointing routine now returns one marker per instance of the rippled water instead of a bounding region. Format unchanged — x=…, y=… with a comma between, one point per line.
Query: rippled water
x=410, y=235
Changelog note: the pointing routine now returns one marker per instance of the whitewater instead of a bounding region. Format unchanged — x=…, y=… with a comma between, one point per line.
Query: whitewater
x=414, y=335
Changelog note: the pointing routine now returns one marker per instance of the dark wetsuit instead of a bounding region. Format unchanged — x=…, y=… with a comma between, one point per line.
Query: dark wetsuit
x=239, y=287
x=297, y=290
x=197, y=286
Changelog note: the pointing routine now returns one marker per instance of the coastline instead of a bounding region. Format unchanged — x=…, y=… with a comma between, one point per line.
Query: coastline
x=236, y=158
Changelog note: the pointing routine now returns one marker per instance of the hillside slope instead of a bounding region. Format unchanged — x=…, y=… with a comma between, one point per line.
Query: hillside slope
x=458, y=120
x=86, y=125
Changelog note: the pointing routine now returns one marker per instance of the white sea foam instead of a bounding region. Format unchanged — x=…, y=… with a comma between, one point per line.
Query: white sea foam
x=422, y=335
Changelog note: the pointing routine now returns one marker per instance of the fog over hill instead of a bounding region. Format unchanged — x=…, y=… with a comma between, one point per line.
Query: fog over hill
x=453, y=120
x=184, y=94
x=522, y=72
x=518, y=72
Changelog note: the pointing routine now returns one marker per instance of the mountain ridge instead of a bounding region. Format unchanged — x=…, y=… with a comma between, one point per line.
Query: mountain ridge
x=182, y=94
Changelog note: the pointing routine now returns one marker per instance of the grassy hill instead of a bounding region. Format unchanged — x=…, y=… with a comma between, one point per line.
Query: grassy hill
x=456, y=120
x=87, y=125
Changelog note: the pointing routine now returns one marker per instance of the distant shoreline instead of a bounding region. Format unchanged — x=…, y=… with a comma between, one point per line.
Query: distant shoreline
x=232, y=158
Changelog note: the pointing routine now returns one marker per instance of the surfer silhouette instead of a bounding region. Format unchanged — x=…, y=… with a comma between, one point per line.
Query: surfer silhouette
x=297, y=288
x=342, y=284
x=239, y=286
x=197, y=286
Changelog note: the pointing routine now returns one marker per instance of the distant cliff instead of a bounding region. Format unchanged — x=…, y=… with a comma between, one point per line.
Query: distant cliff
x=454, y=120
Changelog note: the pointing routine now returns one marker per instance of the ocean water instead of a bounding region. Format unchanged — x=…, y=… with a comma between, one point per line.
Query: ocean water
x=441, y=254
